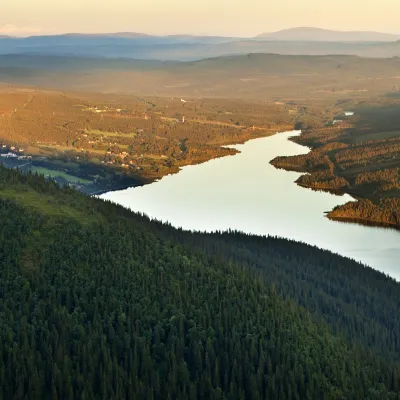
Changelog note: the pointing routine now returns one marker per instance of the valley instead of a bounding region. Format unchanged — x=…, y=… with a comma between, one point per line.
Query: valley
x=100, y=142
x=246, y=193
x=198, y=217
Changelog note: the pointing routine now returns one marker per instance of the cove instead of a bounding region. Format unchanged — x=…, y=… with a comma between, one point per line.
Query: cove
x=245, y=192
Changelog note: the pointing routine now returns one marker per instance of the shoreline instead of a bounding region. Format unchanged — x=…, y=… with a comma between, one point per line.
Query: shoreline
x=363, y=221
x=337, y=192
x=120, y=179
x=228, y=145
x=258, y=193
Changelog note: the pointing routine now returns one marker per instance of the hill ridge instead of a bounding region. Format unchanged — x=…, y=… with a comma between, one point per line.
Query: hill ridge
x=322, y=34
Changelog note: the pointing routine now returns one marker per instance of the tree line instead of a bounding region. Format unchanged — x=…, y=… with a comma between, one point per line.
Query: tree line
x=97, y=302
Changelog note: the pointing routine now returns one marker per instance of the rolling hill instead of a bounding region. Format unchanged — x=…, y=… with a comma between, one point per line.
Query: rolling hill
x=253, y=76
x=190, y=48
x=98, y=302
x=306, y=34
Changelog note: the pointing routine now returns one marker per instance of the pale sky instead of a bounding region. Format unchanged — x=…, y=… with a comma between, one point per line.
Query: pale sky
x=211, y=17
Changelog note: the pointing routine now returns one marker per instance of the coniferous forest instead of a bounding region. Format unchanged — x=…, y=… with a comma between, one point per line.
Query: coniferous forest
x=97, y=302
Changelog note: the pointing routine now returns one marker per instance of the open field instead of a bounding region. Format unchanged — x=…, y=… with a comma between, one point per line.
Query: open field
x=45, y=204
x=54, y=173
x=110, y=134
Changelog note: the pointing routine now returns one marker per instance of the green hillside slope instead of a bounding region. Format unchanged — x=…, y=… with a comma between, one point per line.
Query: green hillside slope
x=100, y=303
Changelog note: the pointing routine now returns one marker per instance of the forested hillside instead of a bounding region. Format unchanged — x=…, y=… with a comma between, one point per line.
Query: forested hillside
x=359, y=155
x=97, y=302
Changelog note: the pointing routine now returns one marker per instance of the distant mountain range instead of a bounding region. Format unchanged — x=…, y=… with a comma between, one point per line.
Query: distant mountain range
x=297, y=41
x=325, y=35
x=132, y=37
x=305, y=34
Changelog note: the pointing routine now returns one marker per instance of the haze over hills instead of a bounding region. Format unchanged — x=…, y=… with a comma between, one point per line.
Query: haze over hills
x=129, y=35
x=255, y=76
x=326, y=35
x=133, y=37
x=190, y=48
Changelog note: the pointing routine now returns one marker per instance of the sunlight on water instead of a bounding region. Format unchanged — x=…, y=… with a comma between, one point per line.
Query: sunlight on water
x=245, y=192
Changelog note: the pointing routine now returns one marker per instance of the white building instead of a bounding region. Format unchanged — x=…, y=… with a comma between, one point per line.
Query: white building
x=9, y=155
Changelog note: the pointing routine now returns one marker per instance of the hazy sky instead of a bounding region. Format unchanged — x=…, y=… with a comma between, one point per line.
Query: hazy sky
x=223, y=17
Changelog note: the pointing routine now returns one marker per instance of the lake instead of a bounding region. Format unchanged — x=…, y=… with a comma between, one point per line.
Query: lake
x=245, y=192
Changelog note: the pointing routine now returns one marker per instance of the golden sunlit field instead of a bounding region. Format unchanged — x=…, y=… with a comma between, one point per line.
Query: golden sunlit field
x=137, y=137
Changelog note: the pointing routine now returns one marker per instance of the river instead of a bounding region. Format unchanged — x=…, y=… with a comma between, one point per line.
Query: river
x=245, y=192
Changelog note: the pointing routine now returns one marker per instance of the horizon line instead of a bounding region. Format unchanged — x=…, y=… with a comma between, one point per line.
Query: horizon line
x=66, y=33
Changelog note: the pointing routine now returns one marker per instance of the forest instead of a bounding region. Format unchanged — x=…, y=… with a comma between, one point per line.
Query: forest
x=98, y=302
x=359, y=156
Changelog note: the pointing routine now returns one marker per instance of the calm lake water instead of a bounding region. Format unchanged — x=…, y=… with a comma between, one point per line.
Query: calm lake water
x=245, y=192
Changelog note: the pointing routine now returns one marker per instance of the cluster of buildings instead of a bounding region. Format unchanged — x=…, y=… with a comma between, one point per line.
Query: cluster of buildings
x=122, y=158
x=9, y=155
x=15, y=156
x=13, y=152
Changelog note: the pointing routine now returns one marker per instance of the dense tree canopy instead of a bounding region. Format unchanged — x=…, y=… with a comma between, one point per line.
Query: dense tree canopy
x=97, y=302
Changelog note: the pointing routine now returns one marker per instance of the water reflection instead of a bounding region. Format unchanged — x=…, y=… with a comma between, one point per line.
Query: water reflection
x=246, y=193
